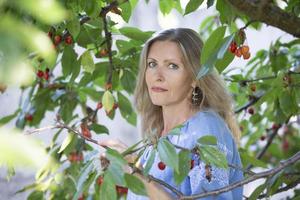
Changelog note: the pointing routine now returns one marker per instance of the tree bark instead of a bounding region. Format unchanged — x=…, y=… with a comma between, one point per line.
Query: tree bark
x=267, y=12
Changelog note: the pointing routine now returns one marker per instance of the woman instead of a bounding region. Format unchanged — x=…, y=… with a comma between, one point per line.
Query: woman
x=168, y=94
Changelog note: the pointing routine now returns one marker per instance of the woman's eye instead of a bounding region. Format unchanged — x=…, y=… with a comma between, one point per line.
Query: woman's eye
x=173, y=66
x=151, y=64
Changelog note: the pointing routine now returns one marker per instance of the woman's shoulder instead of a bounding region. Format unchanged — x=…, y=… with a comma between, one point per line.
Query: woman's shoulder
x=204, y=122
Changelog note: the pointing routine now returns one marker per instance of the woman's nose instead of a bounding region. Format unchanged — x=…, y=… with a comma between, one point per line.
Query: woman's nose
x=159, y=74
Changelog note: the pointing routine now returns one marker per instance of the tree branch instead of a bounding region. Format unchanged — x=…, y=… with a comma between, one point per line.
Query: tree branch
x=270, y=14
x=268, y=173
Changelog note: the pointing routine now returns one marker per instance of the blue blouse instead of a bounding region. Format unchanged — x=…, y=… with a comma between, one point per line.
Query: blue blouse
x=205, y=122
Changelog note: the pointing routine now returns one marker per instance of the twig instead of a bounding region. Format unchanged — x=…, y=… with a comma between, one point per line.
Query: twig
x=268, y=173
x=248, y=104
x=294, y=184
x=40, y=129
x=152, y=178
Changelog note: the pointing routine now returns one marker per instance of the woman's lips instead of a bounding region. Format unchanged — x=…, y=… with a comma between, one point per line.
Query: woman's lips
x=158, y=89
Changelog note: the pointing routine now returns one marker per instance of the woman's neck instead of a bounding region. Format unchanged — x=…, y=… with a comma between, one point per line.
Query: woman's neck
x=174, y=116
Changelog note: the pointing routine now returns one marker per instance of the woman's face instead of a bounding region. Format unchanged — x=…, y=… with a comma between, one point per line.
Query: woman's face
x=167, y=79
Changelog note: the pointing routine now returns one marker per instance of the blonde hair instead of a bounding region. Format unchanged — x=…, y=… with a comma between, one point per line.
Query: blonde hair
x=215, y=95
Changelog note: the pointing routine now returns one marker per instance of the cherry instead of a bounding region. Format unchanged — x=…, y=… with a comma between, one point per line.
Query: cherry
x=46, y=76
x=233, y=47
x=238, y=52
x=192, y=164
x=99, y=105
x=40, y=73
x=245, y=49
x=262, y=138
x=161, y=165
x=85, y=130
x=253, y=87
x=81, y=197
x=69, y=39
x=28, y=117
x=100, y=180
x=121, y=190
x=57, y=39
x=251, y=110
x=246, y=56
x=275, y=126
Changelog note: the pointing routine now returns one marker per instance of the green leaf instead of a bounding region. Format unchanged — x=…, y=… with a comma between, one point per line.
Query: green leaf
x=36, y=195
x=212, y=155
x=135, y=184
x=150, y=162
x=252, y=160
x=192, y=6
x=73, y=27
x=84, y=175
x=87, y=62
x=176, y=130
x=133, y=3
x=6, y=119
x=167, y=153
x=254, y=195
x=128, y=81
x=108, y=101
x=108, y=189
x=212, y=42
x=135, y=33
x=50, y=12
x=97, y=128
x=184, y=166
x=224, y=47
x=208, y=139
x=18, y=150
x=222, y=64
x=115, y=157
x=125, y=108
x=208, y=67
x=288, y=102
x=68, y=60
x=66, y=142
x=166, y=6
x=226, y=12
x=126, y=11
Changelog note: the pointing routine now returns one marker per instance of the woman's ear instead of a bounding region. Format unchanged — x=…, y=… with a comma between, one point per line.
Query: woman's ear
x=194, y=83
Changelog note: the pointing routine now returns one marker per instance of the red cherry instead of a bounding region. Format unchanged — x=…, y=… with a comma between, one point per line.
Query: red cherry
x=161, y=165
x=100, y=180
x=275, y=126
x=238, y=52
x=57, y=39
x=40, y=73
x=81, y=197
x=121, y=190
x=233, y=47
x=46, y=76
x=262, y=138
x=192, y=164
x=69, y=39
x=251, y=111
x=28, y=117
x=246, y=55
x=85, y=130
